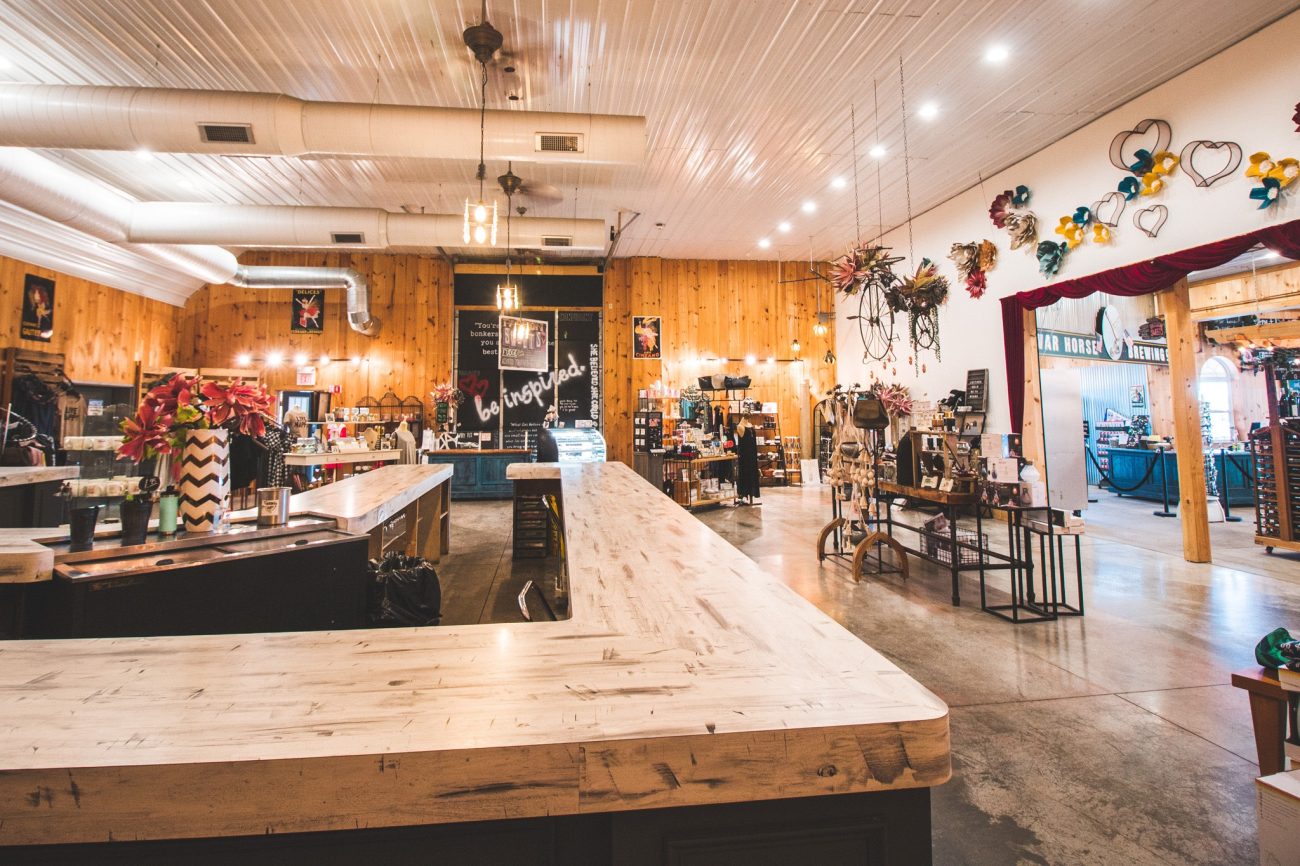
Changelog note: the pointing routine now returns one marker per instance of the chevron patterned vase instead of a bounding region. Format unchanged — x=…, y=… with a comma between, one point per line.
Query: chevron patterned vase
x=204, y=484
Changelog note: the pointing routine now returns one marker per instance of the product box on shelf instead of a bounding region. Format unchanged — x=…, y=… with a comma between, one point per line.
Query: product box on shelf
x=1277, y=805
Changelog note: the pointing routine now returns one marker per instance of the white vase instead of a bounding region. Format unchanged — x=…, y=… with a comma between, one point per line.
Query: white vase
x=204, y=484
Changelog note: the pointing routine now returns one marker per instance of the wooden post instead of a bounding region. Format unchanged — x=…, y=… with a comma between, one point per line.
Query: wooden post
x=1031, y=426
x=1187, y=423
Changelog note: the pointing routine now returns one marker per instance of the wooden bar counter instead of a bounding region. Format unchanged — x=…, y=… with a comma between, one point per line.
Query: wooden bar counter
x=686, y=677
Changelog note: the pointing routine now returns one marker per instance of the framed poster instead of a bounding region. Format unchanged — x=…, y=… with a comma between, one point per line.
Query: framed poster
x=1137, y=396
x=308, y=311
x=38, y=308
x=647, y=338
x=524, y=344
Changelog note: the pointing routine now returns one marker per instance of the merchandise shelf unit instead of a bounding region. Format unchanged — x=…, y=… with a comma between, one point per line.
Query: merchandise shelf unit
x=697, y=482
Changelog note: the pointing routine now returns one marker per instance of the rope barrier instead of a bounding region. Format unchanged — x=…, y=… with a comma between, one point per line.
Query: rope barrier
x=1110, y=482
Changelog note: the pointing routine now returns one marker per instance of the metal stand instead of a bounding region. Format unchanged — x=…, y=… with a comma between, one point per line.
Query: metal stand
x=1223, y=488
x=1164, y=486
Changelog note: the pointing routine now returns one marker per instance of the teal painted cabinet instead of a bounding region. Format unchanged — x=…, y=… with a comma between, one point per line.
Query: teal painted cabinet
x=480, y=474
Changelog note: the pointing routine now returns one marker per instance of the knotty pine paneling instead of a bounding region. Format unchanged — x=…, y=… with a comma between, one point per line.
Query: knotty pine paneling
x=717, y=309
x=100, y=330
x=410, y=294
x=709, y=308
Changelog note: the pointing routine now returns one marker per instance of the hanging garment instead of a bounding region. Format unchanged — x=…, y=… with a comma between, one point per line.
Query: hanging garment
x=243, y=461
x=37, y=402
x=271, y=471
x=747, y=457
x=717, y=418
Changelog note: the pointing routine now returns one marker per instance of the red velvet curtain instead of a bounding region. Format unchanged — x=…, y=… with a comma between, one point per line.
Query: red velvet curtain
x=1129, y=281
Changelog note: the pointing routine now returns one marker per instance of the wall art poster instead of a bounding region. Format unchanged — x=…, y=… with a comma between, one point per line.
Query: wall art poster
x=308, y=311
x=647, y=338
x=38, y=308
x=523, y=345
x=1137, y=396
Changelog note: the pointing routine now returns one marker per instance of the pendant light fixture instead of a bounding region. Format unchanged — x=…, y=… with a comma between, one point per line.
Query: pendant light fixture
x=480, y=225
x=508, y=298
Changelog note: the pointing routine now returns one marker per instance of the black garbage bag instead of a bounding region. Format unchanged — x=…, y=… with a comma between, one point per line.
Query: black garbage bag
x=403, y=591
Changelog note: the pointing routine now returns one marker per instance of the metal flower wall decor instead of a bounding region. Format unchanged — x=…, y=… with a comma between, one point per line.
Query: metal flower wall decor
x=1273, y=176
x=1009, y=211
x=973, y=261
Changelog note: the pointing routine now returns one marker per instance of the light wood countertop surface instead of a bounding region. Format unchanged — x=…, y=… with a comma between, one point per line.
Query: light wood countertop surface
x=326, y=458
x=687, y=675
x=14, y=476
x=362, y=502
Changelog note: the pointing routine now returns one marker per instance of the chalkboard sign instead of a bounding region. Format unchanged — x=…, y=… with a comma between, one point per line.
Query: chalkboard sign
x=976, y=390
x=510, y=405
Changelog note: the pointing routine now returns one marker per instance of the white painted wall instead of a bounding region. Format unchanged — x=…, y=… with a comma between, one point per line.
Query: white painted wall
x=1246, y=94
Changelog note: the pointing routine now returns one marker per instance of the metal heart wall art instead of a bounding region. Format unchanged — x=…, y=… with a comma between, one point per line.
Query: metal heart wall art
x=1150, y=220
x=1109, y=208
x=1196, y=153
x=1124, y=146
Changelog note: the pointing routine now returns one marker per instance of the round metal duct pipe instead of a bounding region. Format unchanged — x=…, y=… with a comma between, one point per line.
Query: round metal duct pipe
x=355, y=285
x=225, y=122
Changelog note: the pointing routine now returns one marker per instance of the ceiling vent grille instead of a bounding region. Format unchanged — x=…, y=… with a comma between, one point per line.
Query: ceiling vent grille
x=559, y=142
x=226, y=133
x=347, y=237
x=557, y=241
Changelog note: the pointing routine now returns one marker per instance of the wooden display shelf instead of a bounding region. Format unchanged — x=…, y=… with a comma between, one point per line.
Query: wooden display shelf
x=929, y=494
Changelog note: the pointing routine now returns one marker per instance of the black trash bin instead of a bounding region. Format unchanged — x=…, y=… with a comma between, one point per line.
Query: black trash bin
x=404, y=591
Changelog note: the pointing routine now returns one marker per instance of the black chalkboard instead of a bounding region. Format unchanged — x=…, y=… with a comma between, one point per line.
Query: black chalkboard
x=976, y=390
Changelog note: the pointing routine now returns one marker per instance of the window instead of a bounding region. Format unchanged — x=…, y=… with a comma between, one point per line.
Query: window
x=1214, y=390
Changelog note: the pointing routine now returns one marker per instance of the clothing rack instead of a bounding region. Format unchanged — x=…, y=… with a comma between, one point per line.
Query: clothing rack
x=46, y=366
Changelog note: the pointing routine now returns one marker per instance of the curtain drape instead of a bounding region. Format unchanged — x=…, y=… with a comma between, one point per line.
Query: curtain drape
x=1142, y=278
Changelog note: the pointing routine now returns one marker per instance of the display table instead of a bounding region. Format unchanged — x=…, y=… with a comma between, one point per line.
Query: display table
x=27, y=494
x=480, y=474
x=1273, y=710
x=1128, y=468
x=686, y=491
x=692, y=704
x=342, y=462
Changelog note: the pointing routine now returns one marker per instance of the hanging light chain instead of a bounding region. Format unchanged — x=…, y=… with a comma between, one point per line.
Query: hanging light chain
x=853, y=133
x=880, y=189
x=907, y=158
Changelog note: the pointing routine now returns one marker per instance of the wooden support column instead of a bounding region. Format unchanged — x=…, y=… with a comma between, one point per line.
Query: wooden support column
x=1031, y=426
x=1192, y=508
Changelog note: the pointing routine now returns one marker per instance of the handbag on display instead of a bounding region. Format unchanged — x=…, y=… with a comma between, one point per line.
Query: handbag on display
x=736, y=383
x=719, y=381
x=706, y=383
x=869, y=414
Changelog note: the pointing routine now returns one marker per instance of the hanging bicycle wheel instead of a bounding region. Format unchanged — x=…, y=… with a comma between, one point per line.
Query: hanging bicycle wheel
x=925, y=331
x=875, y=325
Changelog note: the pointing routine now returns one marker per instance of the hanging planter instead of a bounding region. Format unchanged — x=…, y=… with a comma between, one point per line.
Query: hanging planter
x=920, y=296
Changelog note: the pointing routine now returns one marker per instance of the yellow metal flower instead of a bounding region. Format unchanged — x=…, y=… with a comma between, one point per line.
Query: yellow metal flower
x=1261, y=164
x=1101, y=233
x=1071, y=231
x=1152, y=183
x=1285, y=171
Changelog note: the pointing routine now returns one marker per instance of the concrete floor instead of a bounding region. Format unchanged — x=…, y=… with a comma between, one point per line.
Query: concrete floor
x=1115, y=738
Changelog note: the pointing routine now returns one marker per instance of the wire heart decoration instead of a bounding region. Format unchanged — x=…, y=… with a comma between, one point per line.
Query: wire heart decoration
x=1143, y=219
x=1194, y=148
x=1109, y=208
x=1122, y=158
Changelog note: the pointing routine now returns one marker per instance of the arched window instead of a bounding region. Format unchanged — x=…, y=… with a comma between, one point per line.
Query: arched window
x=1214, y=389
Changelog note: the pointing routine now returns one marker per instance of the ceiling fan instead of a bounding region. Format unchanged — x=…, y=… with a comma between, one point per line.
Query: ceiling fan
x=539, y=194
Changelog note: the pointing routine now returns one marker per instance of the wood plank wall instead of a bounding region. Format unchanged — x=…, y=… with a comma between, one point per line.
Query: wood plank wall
x=713, y=309
x=102, y=331
x=410, y=294
x=709, y=308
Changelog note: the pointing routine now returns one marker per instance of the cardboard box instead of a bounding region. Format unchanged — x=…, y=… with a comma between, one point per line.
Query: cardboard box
x=1004, y=470
x=1277, y=805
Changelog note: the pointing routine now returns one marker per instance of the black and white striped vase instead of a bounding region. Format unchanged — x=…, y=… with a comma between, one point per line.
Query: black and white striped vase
x=204, y=484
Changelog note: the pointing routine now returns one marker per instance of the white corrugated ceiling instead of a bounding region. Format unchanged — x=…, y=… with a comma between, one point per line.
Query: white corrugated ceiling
x=747, y=101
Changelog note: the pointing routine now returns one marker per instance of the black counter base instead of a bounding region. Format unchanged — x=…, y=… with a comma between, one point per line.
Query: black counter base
x=888, y=827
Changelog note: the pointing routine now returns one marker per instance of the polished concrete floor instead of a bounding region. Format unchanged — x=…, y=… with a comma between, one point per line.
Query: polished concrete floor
x=1113, y=738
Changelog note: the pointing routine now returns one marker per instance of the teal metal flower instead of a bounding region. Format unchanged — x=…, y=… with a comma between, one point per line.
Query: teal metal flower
x=1130, y=187
x=1267, y=192
x=1050, y=256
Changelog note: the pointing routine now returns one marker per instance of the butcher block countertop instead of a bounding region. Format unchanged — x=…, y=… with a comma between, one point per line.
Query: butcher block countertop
x=362, y=502
x=687, y=675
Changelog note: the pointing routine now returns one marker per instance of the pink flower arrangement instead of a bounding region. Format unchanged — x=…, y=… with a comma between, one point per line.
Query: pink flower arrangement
x=897, y=399
x=179, y=404
x=446, y=392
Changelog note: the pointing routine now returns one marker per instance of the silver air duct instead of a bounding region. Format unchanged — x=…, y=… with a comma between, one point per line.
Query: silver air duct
x=355, y=285
x=225, y=122
x=49, y=190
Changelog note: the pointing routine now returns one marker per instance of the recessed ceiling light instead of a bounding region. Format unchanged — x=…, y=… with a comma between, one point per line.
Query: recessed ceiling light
x=783, y=227
x=324, y=359
x=996, y=54
x=751, y=360
x=300, y=359
x=839, y=183
x=243, y=359
x=809, y=206
x=877, y=152
x=771, y=360
x=764, y=243
x=143, y=155
x=928, y=111
x=274, y=359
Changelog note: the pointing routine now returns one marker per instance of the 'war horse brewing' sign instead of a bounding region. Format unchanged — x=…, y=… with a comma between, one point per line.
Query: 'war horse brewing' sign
x=1064, y=344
